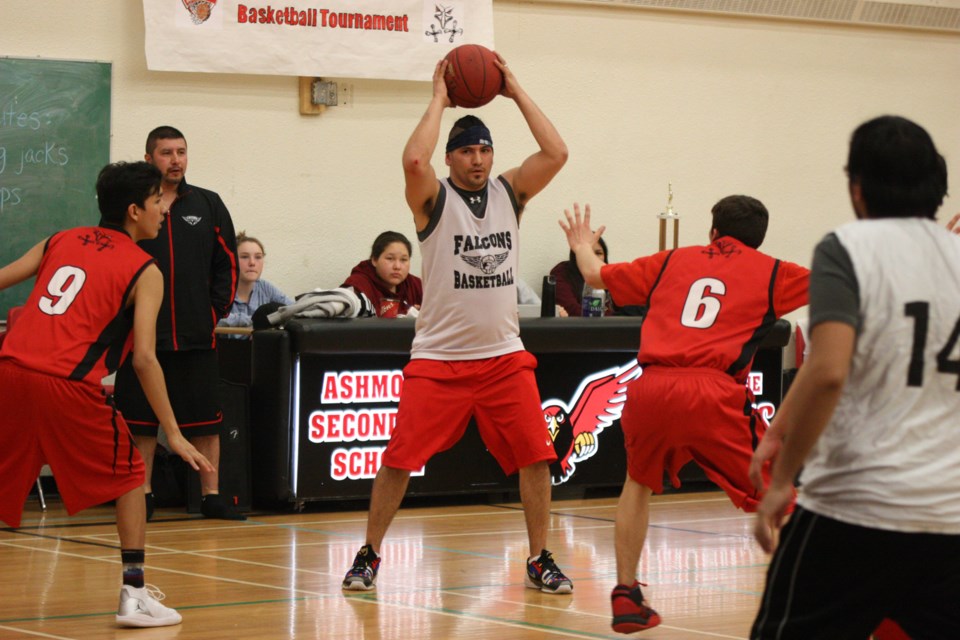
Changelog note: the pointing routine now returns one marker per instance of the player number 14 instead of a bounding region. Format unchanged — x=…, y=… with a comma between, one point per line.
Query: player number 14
x=920, y=312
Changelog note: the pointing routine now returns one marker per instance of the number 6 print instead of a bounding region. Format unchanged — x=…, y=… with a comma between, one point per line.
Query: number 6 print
x=701, y=308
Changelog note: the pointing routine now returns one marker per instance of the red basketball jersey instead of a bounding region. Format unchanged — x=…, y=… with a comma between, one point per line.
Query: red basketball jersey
x=708, y=306
x=74, y=324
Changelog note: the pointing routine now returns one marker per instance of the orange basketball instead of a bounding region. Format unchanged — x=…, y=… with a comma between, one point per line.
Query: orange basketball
x=472, y=78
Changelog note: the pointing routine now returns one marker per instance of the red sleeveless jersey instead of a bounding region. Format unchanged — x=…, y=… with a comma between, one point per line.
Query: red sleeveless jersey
x=75, y=324
x=708, y=306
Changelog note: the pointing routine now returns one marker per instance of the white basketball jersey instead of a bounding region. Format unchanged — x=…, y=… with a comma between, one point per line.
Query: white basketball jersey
x=469, y=309
x=890, y=456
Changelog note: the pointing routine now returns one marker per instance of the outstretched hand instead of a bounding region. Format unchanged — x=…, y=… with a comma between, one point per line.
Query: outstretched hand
x=182, y=447
x=577, y=228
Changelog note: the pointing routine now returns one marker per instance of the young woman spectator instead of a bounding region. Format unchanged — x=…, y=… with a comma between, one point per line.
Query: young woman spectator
x=385, y=277
x=251, y=290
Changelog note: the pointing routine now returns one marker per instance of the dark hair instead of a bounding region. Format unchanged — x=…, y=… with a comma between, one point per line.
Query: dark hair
x=162, y=133
x=243, y=237
x=742, y=218
x=124, y=183
x=898, y=168
x=384, y=240
x=463, y=124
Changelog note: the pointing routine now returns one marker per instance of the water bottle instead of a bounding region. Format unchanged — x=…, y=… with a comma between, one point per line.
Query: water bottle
x=548, y=297
x=592, y=302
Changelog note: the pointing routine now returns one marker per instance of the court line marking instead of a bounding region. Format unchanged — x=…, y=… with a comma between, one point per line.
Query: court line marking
x=570, y=633
x=586, y=613
x=166, y=550
x=372, y=600
x=501, y=508
x=306, y=526
x=209, y=555
x=35, y=633
x=213, y=555
x=299, y=526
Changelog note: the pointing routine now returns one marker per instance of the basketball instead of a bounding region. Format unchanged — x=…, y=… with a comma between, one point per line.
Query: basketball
x=472, y=78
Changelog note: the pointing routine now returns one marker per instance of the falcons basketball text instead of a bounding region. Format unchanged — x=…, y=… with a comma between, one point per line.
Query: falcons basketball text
x=501, y=240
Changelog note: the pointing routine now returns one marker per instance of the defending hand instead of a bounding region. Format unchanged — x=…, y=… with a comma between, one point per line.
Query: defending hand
x=182, y=447
x=577, y=228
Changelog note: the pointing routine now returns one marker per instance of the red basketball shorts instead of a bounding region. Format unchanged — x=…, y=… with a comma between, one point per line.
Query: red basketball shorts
x=70, y=426
x=439, y=397
x=675, y=415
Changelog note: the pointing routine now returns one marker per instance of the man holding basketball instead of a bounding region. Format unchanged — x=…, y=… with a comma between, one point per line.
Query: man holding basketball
x=467, y=350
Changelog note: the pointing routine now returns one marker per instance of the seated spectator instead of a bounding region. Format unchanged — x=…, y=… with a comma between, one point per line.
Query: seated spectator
x=251, y=290
x=385, y=278
x=570, y=283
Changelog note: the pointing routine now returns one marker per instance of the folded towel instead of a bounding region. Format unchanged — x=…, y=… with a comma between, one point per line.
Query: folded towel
x=341, y=302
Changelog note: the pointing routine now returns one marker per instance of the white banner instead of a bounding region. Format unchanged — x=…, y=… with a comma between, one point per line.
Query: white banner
x=387, y=39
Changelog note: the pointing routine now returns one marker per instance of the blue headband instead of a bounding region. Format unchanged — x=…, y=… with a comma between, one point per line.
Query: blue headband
x=477, y=134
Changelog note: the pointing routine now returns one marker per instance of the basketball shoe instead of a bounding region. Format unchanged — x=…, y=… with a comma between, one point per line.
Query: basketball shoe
x=213, y=505
x=544, y=574
x=363, y=574
x=630, y=611
x=142, y=608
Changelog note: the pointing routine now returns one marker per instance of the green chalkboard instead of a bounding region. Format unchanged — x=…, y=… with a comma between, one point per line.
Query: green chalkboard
x=54, y=139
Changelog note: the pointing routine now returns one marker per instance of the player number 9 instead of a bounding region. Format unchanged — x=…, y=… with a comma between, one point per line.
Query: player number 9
x=63, y=289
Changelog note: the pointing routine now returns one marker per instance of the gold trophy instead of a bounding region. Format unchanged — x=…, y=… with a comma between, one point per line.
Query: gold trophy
x=669, y=214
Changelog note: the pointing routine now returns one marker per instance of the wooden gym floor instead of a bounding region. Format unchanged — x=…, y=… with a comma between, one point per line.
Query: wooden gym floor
x=448, y=572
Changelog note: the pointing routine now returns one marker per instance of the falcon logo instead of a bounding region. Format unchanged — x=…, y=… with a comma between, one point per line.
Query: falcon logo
x=199, y=10
x=192, y=220
x=488, y=264
x=575, y=428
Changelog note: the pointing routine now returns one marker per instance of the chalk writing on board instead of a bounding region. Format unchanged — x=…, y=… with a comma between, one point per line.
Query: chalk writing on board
x=54, y=139
x=34, y=156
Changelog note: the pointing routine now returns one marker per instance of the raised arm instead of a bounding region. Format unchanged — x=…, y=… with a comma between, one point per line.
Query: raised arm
x=581, y=240
x=420, y=178
x=146, y=296
x=538, y=170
